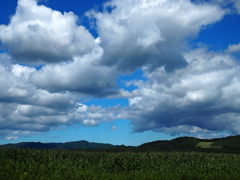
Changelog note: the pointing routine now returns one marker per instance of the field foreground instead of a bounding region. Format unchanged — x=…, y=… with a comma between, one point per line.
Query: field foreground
x=72, y=164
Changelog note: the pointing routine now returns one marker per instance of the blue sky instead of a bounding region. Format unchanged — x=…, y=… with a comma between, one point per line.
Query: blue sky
x=119, y=72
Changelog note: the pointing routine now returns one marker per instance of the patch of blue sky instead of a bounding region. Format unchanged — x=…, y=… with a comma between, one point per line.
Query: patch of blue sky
x=39, y=67
x=220, y=35
x=117, y=132
x=75, y=6
x=135, y=76
x=7, y=9
x=79, y=8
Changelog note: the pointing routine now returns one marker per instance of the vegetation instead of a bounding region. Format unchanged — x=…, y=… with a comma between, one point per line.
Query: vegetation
x=178, y=159
x=208, y=145
x=178, y=144
x=228, y=143
x=75, y=164
x=205, y=144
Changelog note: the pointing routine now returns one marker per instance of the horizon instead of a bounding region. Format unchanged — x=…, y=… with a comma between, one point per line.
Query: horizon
x=111, y=72
x=119, y=144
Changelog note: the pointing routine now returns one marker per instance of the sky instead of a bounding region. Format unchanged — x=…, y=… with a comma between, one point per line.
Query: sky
x=120, y=72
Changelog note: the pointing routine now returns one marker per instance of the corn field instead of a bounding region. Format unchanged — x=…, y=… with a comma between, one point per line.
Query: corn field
x=21, y=164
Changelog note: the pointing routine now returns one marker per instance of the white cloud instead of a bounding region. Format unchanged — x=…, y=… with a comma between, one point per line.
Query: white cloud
x=15, y=86
x=237, y=5
x=79, y=76
x=201, y=98
x=35, y=101
x=114, y=128
x=94, y=115
x=185, y=130
x=151, y=33
x=34, y=118
x=231, y=5
x=37, y=34
x=11, y=138
x=90, y=122
x=233, y=47
x=27, y=110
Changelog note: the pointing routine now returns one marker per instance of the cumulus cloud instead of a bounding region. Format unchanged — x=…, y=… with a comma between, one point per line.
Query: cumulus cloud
x=26, y=109
x=233, y=48
x=152, y=33
x=28, y=119
x=201, y=98
x=34, y=101
x=37, y=35
x=93, y=115
x=79, y=76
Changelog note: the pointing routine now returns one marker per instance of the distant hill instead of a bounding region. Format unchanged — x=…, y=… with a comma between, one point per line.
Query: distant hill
x=227, y=144
x=181, y=143
x=60, y=146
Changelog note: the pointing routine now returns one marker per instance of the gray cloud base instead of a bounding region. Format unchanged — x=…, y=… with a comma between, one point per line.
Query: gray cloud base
x=201, y=98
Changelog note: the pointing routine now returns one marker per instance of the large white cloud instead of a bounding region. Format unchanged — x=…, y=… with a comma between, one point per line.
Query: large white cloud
x=79, y=76
x=37, y=34
x=26, y=109
x=34, y=101
x=150, y=32
x=201, y=98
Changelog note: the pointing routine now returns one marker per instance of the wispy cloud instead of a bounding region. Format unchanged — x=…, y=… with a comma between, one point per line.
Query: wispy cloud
x=11, y=137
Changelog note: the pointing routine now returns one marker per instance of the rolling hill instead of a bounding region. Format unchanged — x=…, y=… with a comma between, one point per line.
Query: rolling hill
x=227, y=144
x=60, y=146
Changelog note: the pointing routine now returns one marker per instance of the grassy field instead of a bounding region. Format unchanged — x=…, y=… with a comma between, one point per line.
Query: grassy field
x=23, y=164
x=208, y=145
